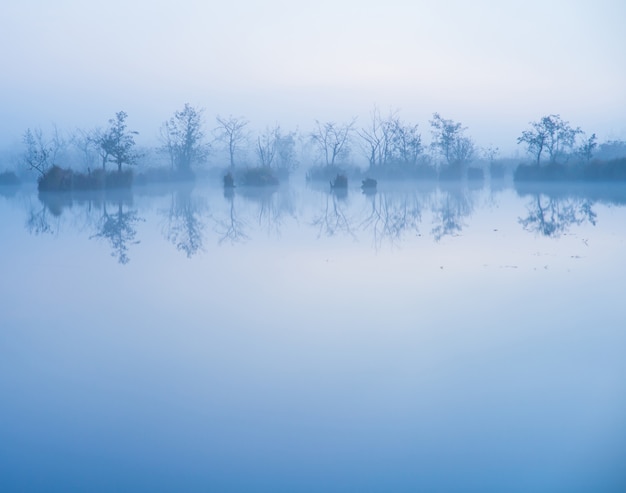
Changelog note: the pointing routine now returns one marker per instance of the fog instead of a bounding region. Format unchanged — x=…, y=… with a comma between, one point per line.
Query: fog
x=493, y=67
x=340, y=284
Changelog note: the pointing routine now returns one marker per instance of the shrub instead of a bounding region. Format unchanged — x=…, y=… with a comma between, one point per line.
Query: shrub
x=341, y=181
x=258, y=177
x=613, y=170
x=55, y=179
x=550, y=172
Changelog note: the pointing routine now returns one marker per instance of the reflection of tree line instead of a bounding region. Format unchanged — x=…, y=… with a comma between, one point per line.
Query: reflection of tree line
x=184, y=224
x=552, y=216
x=449, y=211
x=386, y=216
x=110, y=217
x=113, y=217
x=333, y=218
x=390, y=216
x=118, y=228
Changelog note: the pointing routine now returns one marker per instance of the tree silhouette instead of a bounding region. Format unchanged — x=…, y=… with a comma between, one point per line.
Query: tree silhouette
x=232, y=133
x=551, y=135
x=183, y=138
x=117, y=143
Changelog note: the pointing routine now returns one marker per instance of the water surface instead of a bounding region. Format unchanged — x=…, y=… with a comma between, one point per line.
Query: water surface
x=423, y=338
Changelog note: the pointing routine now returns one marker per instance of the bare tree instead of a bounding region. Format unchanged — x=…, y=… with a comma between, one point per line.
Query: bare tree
x=278, y=150
x=102, y=143
x=390, y=140
x=58, y=144
x=85, y=143
x=38, y=152
x=182, y=137
x=285, y=144
x=232, y=133
x=333, y=140
x=406, y=142
x=167, y=144
x=266, y=146
x=587, y=147
x=41, y=153
x=377, y=138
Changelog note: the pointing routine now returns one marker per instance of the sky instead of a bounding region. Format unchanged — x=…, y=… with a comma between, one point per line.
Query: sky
x=492, y=65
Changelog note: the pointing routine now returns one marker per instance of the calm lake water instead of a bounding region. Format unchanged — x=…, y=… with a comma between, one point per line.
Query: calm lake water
x=424, y=338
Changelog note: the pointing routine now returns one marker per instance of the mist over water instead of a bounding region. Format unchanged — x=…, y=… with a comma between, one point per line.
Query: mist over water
x=419, y=338
x=165, y=326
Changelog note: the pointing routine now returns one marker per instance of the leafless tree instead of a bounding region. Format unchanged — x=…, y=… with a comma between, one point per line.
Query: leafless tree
x=266, y=146
x=278, y=150
x=233, y=134
x=42, y=153
x=391, y=141
x=85, y=143
x=37, y=155
x=333, y=140
x=406, y=142
x=377, y=138
x=286, y=156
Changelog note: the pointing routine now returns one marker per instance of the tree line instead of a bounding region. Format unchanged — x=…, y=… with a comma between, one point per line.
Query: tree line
x=387, y=142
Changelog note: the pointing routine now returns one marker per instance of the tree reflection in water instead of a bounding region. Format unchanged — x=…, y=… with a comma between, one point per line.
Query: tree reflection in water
x=389, y=216
x=118, y=228
x=268, y=213
x=333, y=218
x=38, y=221
x=231, y=228
x=184, y=227
x=451, y=207
x=392, y=215
x=552, y=216
x=48, y=210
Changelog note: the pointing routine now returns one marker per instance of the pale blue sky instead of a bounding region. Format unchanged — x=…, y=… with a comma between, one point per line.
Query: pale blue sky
x=493, y=65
